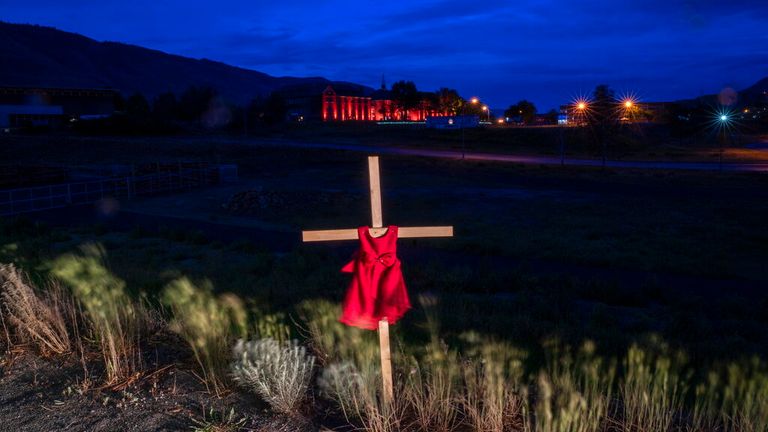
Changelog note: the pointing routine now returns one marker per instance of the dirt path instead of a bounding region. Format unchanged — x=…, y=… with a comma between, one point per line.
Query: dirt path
x=526, y=159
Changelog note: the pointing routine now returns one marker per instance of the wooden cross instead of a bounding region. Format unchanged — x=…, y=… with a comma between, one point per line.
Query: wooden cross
x=378, y=229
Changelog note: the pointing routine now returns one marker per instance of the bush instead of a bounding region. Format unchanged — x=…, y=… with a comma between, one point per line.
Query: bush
x=209, y=324
x=38, y=318
x=114, y=320
x=278, y=372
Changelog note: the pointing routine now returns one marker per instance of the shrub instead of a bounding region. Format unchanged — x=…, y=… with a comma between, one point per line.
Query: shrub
x=38, y=318
x=209, y=324
x=113, y=318
x=278, y=372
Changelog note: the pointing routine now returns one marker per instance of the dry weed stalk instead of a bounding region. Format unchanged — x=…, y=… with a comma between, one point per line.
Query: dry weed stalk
x=37, y=317
x=491, y=403
x=357, y=394
x=112, y=317
x=209, y=324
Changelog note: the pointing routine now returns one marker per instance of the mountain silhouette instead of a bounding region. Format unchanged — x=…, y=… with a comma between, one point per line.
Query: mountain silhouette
x=38, y=56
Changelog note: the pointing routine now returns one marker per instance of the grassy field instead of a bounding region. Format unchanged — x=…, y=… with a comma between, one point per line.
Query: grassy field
x=570, y=299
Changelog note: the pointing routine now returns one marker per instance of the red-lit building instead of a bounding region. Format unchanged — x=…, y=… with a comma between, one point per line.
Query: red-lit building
x=377, y=106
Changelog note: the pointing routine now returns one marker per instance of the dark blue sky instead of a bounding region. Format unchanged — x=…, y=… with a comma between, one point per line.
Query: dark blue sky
x=545, y=51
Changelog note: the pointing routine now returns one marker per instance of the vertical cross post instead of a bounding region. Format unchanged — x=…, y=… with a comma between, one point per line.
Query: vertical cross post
x=374, y=185
x=377, y=221
x=378, y=229
x=386, y=362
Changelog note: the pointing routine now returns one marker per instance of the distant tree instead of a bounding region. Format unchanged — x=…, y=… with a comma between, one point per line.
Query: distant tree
x=602, y=107
x=524, y=109
x=137, y=105
x=165, y=107
x=195, y=101
x=429, y=101
x=680, y=120
x=119, y=101
x=552, y=116
x=603, y=116
x=405, y=96
x=275, y=109
x=449, y=101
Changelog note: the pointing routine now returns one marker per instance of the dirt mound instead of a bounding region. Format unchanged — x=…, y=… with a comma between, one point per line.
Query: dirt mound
x=256, y=201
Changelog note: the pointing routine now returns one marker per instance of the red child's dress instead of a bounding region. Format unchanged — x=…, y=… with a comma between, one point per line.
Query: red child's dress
x=377, y=289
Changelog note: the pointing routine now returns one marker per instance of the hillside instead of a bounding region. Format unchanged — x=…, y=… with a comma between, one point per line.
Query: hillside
x=32, y=55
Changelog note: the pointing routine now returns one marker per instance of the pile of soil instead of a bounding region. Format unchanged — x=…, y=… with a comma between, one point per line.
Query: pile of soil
x=257, y=201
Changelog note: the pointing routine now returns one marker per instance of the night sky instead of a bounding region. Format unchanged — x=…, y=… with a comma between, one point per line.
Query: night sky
x=545, y=51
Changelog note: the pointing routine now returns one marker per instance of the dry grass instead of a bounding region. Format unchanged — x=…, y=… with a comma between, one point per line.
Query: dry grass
x=209, y=324
x=358, y=397
x=653, y=390
x=114, y=320
x=37, y=317
x=431, y=394
x=494, y=393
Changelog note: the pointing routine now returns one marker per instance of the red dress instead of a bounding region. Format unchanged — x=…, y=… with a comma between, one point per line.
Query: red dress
x=377, y=289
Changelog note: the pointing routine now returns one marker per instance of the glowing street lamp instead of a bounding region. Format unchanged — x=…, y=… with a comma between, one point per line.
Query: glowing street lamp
x=474, y=100
x=724, y=118
x=581, y=106
x=629, y=103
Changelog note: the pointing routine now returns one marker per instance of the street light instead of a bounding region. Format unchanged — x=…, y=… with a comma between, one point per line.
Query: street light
x=581, y=105
x=629, y=105
x=487, y=112
x=474, y=101
x=724, y=119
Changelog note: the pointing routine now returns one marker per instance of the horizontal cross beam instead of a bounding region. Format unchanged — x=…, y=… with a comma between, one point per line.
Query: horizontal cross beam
x=351, y=233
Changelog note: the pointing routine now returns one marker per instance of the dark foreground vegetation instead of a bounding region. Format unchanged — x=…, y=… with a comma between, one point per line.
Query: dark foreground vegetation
x=514, y=327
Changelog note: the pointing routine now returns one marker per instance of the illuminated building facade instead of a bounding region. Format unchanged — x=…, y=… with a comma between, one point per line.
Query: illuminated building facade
x=378, y=106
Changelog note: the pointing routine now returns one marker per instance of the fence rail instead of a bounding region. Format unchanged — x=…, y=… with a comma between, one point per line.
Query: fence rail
x=23, y=200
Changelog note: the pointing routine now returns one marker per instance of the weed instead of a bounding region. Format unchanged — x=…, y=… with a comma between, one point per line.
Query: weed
x=37, y=317
x=653, y=390
x=214, y=421
x=208, y=324
x=113, y=318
